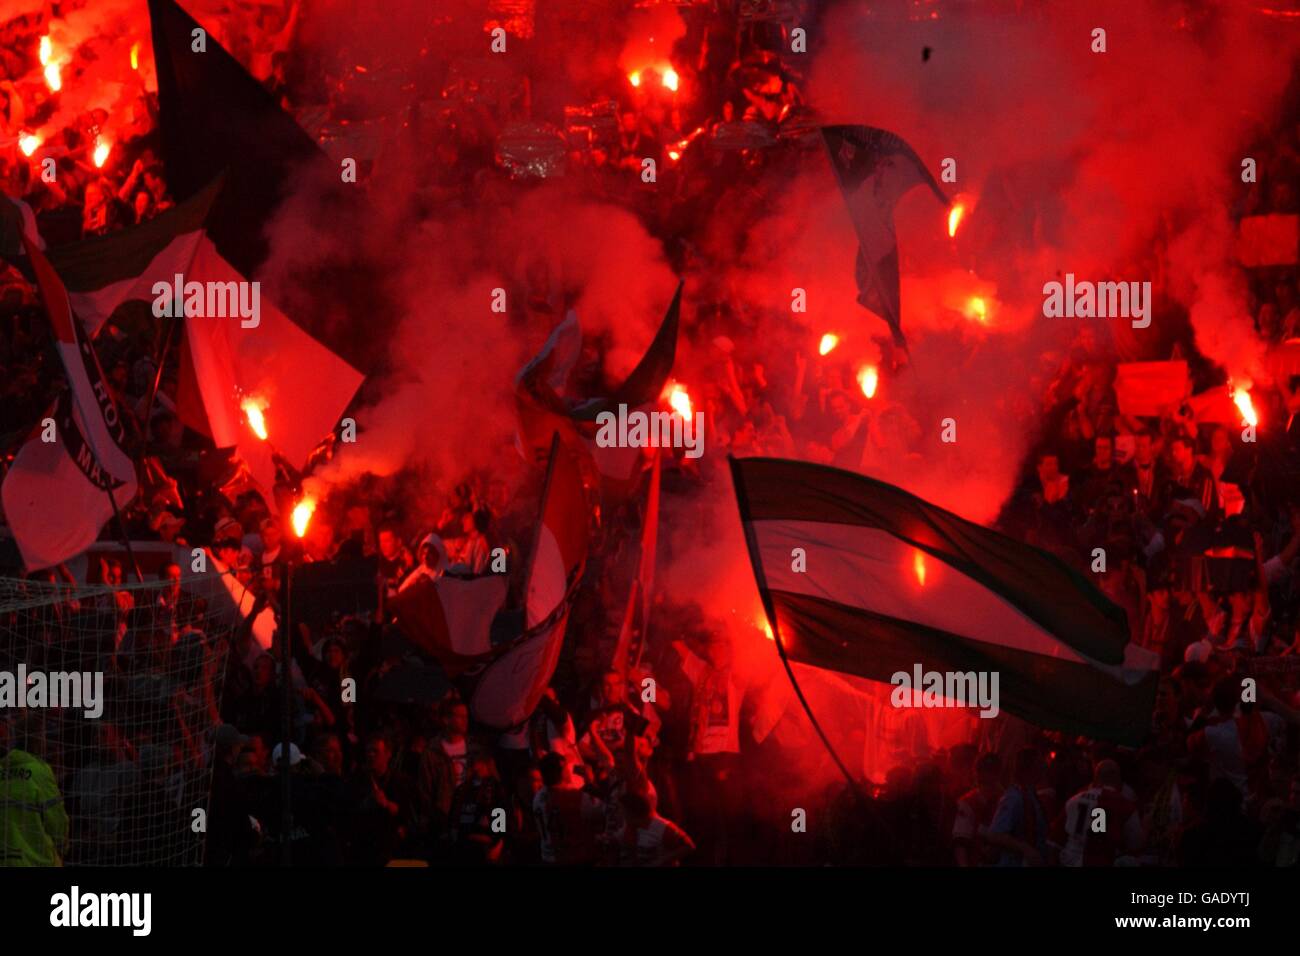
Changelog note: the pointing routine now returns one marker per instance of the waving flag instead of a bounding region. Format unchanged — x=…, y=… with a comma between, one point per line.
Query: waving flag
x=543, y=411
x=875, y=168
x=301, y=387
x=104, y=273
x=510, y=687
x=891, y=581
x=538, y=387
x=56, y=494
x=646, y=382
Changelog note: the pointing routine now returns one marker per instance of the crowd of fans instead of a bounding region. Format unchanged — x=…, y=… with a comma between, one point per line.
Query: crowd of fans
x=1200, y=531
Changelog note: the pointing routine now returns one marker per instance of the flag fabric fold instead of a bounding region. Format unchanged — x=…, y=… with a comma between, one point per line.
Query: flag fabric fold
x=302, y=386
x=875, y=168
x=892, y=581
x=544, y=412
x=57, y=493
x=510, y=686
x=646, y=382
x=215, y=118
x=104, y=272
x=451, y=618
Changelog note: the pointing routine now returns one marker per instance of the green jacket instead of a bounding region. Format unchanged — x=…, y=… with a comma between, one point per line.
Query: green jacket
x=33, y=822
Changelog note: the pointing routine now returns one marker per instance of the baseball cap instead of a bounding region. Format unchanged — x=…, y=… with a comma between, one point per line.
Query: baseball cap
x=295, y=755
x=227, y=528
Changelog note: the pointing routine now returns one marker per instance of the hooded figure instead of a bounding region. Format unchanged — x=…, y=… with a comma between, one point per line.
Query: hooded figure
x=432, y=562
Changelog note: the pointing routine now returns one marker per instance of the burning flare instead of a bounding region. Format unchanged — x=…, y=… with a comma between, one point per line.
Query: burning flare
x=302, y=513
x=135, y=56
x=100, y=156
x=256, y=420
x=977, y=308
x=680, y=401
x=53, y=79
x=1241, y=397
x=918, y=566
x=28, y=143
x=828, y=343
x=963, y=204
x=868, y=379
x=955, y=215
x=668, y=77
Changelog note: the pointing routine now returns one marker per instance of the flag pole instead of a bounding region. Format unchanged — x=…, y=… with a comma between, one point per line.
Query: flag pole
x=286, y=709
x=541, y=519
x=157, y=380
x=652, y=498
x=126, y=538
x=148, y=414
x=751, y=543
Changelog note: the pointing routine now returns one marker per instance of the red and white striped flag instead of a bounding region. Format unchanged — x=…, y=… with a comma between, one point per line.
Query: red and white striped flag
x=56, y=494
x=511, y=685
x=451, y=618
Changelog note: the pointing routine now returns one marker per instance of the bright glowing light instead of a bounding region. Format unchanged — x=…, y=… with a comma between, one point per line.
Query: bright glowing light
x=135, y=56
x=634, y=77
x=674, y=155
x=868, y=379
x=100, y=156
x=767, y=629
x=256, y=420
x=918, y=566
x=670, y=79
x=302, y=513
x=955, y=215
x=53, y=78
x=28, y=143
x=828, y=343
x=978, y=309
x=680, y=401
x=1247, y=408
x=45, y=50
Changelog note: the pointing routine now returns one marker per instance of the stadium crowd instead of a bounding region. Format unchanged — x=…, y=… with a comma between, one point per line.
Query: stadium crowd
x=1201, y=532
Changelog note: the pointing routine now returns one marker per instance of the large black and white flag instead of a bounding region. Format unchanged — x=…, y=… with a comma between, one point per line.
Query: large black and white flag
x=864, y=578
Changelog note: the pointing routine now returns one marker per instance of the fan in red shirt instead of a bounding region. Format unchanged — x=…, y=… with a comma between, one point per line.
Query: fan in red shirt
x=975, y=814
x=1090, y=838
